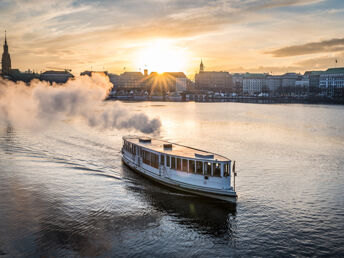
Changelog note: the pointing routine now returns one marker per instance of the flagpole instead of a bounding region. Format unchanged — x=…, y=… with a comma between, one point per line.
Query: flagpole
x=234, y=175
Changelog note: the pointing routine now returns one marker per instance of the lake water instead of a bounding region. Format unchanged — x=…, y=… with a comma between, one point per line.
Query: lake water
x=65, y=192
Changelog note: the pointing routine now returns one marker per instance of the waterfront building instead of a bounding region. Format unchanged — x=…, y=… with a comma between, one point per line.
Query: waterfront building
x=176, y=81
x=254, y=84
x=89, y=73
x=302, y=82
x=301, y=86
x=26, y=76
x=56, y=76
x=130, y=80
x=314, y=80
x=274, y=83
x=331, y=82
x=237, y=79
x=160, y=84
x=213, y=80
x=289, y=79
x=114, y=79
x=6, y=60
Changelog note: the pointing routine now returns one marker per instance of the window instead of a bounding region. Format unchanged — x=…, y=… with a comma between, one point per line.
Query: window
x=217, y=169
x=191, y=166
x=146, y=157
x=179, y=164
x=185, y=165
x=162, y=160
x=154, y=160
x=207, y=168
x=173, y=162
x=199, y=167
x=226, y=169
x=168, y=161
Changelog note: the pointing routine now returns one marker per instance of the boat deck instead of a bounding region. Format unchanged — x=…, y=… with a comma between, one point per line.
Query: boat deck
x=176, y=150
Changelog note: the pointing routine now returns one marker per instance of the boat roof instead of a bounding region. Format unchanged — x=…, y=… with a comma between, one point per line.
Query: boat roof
x=176, y=150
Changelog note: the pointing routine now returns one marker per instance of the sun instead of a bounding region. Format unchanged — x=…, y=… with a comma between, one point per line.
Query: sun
x=162, y=56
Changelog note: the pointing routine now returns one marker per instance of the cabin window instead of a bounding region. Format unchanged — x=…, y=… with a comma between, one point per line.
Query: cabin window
x=162, y=160
x=154, y=160
x=226, y=169
x=199, y=167
x=168, y=161
x=185, y=165
x=191, y=166
x=217, y=169
x=179, y=164
x=146, y=157
x=207, y=168
x=173, y=162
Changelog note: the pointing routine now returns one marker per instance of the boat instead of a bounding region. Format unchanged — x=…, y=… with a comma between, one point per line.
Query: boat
x=180, y=167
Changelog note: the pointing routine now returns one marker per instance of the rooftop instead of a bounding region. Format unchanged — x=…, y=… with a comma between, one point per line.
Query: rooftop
x=57, y=72
x=176, y=150
x=335, y=70
x=175, y=74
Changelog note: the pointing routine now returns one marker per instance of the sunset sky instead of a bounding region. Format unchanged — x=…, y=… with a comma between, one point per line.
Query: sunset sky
x=235, y=35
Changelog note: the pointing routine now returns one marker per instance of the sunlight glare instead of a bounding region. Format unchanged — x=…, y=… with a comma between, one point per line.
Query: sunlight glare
x=162, y=56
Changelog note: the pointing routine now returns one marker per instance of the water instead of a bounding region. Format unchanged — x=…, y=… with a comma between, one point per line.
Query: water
x=65, y=192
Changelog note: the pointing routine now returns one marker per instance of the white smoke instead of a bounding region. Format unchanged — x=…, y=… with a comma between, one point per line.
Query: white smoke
x=40, y=105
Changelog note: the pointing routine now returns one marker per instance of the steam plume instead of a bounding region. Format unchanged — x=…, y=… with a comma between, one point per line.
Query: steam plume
x=39, y=105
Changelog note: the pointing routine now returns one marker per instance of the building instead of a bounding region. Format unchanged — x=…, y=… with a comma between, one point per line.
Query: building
x=89, y=73
x=56, y=76
x=181, y=84
x=331, y=82
x=114, y=79
x=213, y=80
x=314, y=81
x=26, y=76
x=302, y=82
x=254, y=84
x=130, y=80
x=274, y=83
x=237, y=79
x=289, y=79
x=175, y=81
x=6, y=60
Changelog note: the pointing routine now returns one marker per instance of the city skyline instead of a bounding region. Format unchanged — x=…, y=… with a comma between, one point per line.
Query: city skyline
x=234, y=36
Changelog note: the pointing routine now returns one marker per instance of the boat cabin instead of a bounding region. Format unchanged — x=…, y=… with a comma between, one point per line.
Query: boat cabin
x=161, y=154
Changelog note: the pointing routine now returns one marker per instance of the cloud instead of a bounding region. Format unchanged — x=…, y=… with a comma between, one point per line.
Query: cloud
x=79, y=34
x=322, y=62
x=332, y=45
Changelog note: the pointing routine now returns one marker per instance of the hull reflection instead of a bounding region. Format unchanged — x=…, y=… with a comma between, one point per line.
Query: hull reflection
x=206, y=215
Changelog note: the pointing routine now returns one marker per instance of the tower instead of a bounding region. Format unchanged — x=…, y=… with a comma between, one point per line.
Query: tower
x=6, y=60
x=201, y=67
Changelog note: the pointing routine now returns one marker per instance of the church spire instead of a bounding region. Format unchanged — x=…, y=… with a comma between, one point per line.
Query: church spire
x=6, y=59
x=201, y=67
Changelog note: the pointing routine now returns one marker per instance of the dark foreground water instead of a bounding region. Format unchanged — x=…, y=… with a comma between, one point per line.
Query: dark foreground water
x=65, y=192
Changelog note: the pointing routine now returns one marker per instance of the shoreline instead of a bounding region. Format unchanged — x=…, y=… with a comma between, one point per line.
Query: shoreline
x=254, y=100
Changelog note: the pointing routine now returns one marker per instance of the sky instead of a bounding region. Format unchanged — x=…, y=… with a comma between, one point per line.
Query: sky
x=273, y=36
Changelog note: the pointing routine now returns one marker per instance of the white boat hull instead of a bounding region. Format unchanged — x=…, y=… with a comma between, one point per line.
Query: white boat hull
x=225, y=195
